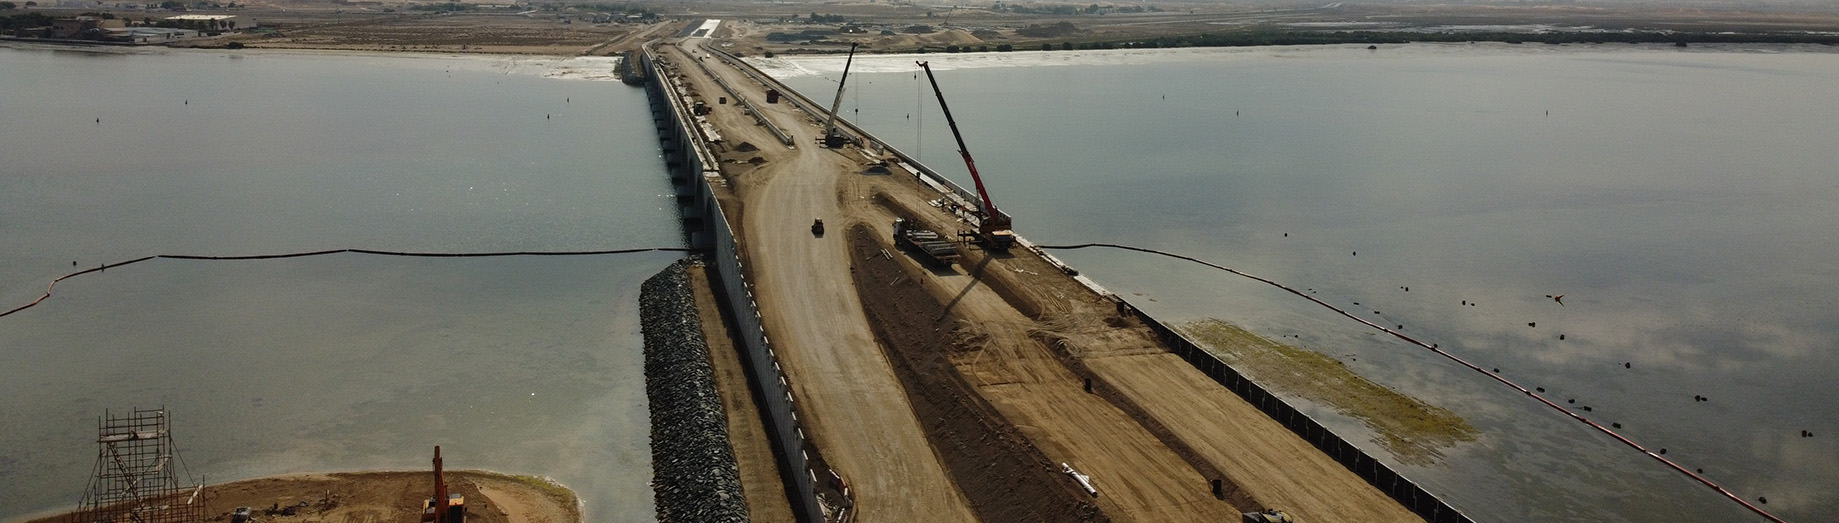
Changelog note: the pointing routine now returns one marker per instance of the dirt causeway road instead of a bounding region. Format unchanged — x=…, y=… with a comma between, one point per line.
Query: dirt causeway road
x=847, y=393
x=964, y=396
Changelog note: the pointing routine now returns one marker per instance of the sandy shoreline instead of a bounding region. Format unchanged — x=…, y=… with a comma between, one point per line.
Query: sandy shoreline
x=491, y=497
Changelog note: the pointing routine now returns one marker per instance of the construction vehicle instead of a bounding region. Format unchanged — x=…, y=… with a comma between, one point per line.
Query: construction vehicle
x=831, y=139
x=444, y=507
x=930, y=247
x=993, y=229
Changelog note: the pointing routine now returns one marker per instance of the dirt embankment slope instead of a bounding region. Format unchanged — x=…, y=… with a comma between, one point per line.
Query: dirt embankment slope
x=1006, y=477
x=753, y=451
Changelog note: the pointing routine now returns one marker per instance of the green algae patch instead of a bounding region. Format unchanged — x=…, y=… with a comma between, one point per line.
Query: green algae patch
x=1414, y=431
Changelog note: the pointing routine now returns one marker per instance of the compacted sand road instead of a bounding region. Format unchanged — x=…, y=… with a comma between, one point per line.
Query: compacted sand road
x=857, y=413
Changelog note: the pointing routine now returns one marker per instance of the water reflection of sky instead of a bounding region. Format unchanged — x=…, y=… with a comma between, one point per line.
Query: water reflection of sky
x=1681, y=201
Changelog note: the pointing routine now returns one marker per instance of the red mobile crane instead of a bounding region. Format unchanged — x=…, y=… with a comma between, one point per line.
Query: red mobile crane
x=992, y=225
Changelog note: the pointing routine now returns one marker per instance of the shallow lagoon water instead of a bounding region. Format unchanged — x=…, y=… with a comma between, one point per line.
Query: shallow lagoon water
x=1681, y=200
x=521, y=365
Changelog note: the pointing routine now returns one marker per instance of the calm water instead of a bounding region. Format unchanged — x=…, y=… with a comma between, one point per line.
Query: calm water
x=521, y=365
x=1682, y=201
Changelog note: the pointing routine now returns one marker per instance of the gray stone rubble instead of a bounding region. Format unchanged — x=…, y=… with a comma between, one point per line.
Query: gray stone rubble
x=695, y=478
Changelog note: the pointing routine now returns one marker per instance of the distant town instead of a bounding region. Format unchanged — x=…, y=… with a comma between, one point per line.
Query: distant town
x=606, y=29
x=75, y=21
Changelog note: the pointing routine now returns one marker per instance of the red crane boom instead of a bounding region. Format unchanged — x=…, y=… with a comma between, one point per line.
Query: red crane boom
x=993, y=225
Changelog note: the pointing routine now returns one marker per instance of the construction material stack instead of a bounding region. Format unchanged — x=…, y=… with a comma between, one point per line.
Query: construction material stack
x=929, y=247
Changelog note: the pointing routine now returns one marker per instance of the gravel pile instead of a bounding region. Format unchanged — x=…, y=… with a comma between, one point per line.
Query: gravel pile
x=694, y=473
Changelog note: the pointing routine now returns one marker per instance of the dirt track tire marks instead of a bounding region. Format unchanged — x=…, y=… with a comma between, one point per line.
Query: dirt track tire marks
x=1004, y=476
x=853, y=407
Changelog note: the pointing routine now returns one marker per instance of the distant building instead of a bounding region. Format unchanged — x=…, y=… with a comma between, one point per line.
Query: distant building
x=201, y=22
x=201, y=18
x=82, y=28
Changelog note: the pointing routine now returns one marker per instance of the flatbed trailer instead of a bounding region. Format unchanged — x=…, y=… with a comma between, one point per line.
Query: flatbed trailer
x=927, y=246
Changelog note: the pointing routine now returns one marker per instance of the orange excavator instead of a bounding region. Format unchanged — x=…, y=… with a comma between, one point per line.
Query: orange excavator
x=443, y=507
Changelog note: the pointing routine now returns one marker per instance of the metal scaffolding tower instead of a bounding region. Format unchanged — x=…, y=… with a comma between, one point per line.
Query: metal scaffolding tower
x=136, y=479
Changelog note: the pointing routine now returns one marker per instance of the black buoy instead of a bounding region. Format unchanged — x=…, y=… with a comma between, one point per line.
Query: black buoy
x=1286, y=235
x=1627, y=365
x=1663, y=451
x=1763, y=500
x=1497, y=369
x=1560, y=337
x=1616, y=425
x=1701, y=471
x=1540, y=389
x=1532, y=324
x=1587, y=408
x=1572, y=400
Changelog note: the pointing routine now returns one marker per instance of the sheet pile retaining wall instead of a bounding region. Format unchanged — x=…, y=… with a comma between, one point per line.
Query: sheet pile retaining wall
x=685, y=143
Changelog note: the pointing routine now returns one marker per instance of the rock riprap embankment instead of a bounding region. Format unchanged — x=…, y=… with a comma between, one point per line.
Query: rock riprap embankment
x=695, y=478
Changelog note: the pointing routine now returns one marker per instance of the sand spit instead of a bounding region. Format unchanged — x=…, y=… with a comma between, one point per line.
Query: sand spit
x=355, y=497
x=1414, y=431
